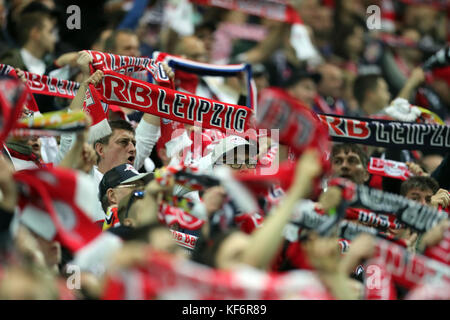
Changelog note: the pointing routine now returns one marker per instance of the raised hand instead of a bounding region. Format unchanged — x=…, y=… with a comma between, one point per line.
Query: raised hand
x=440, y=198
x=83, y=61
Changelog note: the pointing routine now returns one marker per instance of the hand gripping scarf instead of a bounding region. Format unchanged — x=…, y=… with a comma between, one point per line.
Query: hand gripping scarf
x=30, y=103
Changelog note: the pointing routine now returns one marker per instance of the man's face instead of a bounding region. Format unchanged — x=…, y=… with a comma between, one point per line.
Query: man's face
x=47, y=36
x=122, y=190
x=120, y=149
x=348, y=165
x=422, y=196
x=331, y=82
x=35, y=144
x=240, y=160
x=127, y=45
x=194, y=49
x=381, y=95
x=304, y=90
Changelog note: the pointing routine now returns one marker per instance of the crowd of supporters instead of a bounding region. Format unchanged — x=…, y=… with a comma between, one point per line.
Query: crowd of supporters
x=310, y=160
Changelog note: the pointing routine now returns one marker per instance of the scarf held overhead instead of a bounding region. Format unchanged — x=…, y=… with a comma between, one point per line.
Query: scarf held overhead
x=128, y=65
x=387, y=134
x=174, y=105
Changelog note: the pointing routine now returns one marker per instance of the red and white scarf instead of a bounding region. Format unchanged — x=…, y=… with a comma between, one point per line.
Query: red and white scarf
x=165, y=277
x=54, y=203
x=42, y=84
x=170, y=215
x=389, y=168
x=129, y=65
x=185, y=240
x=407, y=269
x=174, y=105
x=92, y=105
x=13, y=95
x=8, y=70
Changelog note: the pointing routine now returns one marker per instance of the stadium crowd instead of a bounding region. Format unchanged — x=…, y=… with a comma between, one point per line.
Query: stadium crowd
x=277, y=149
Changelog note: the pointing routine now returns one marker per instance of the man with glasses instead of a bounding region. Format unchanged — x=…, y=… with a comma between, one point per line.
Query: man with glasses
x=115, y=185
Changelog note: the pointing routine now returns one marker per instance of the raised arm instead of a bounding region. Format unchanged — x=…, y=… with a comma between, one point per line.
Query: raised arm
x=265, y=241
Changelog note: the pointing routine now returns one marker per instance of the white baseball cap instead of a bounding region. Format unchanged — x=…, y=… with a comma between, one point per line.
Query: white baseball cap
x=225, y=145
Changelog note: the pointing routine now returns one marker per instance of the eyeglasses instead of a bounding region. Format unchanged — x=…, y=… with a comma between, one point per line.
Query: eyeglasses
x=239, y=165
x=135, y=195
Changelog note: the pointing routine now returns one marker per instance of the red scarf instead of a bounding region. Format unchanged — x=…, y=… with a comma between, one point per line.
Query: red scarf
x=185, y=240
x=44, y=188
x=408, y=270
x=128, y=65
x=166, y=277
x=389, y=168
x=298, y=126
x=42, y=84
x=174, y=105
x=13, y=95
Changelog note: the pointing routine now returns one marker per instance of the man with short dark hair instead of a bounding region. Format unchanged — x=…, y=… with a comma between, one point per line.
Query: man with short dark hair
x=117, y=148
x=302, y=85
x=350, y=162
x=372, y=94
x=37, y=39
x=123, y=42
x=330, y=90
x=426, y=191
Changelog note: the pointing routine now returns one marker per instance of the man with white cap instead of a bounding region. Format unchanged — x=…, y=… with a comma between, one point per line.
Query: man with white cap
x=234, y=151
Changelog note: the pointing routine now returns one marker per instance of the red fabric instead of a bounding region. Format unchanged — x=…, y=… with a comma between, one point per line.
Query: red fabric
x=442, y=74
x=31, y=157
x=47, y=185
x=171, y=215
x=42, y=84
x=298, y=257
x=129, y=65
x=11, y=110
x=299, y=127
x=164, y=274
x=174, y=105
x=378, y=282
x=93, y=106
x=407, y=270
x=8, y=70
x=441, y=251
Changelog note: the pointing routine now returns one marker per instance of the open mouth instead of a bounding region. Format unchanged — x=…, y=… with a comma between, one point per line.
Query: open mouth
x=346, y=176
x=130, y=159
